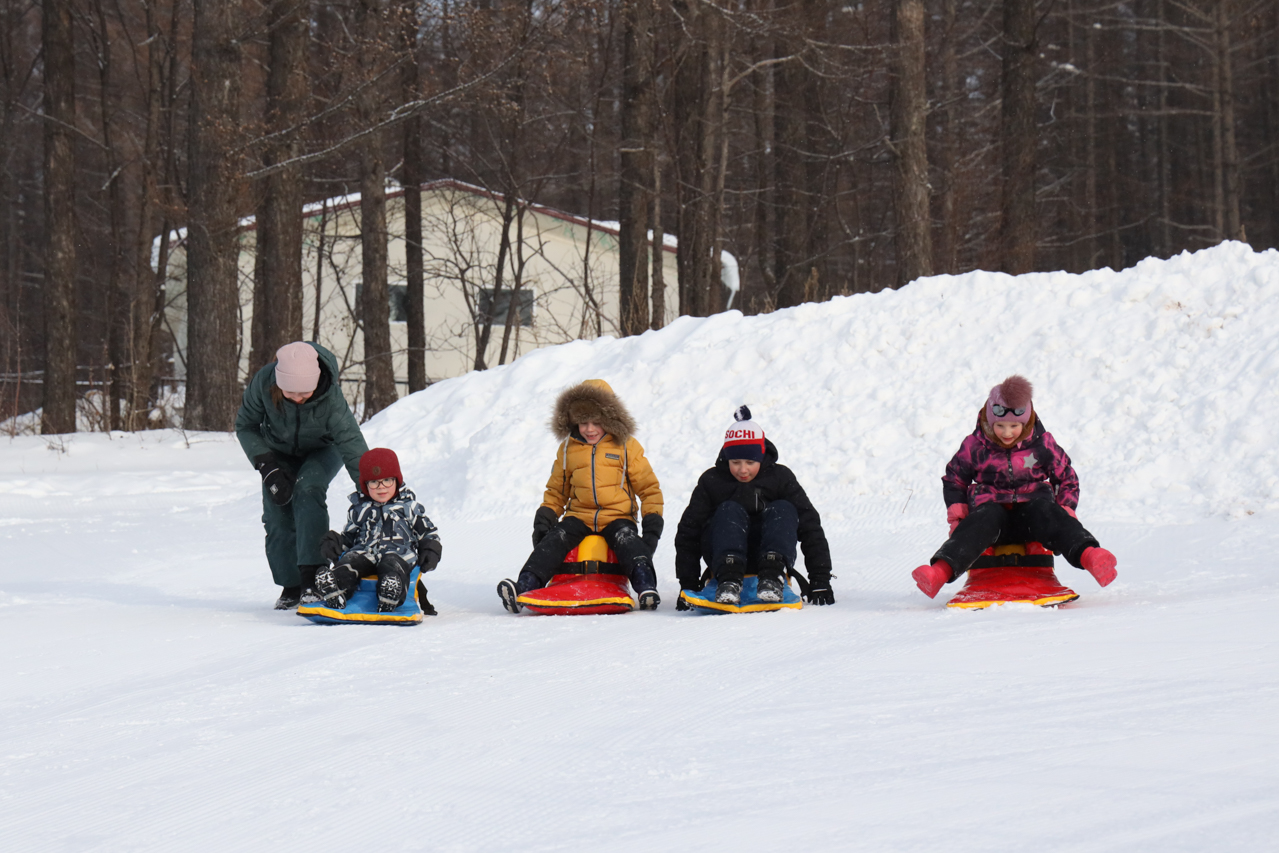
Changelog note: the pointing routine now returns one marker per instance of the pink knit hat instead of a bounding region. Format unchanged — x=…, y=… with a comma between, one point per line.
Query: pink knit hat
x=297, y=368
x=1012, y=396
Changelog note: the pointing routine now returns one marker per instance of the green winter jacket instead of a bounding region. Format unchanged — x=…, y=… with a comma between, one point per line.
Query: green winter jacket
x=296, y=430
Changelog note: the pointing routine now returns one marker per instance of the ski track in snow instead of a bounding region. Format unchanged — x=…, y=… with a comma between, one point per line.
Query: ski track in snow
x=153, y=702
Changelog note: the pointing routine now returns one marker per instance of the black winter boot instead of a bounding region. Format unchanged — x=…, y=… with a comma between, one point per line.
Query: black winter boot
x=729, y=592
x=289, y=598
x=507, y=592
x=309, y=595
x=392, y=583
x=335, y=584
x=772, y=568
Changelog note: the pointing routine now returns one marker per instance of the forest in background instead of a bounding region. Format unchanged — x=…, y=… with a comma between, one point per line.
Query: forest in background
x=832, y=147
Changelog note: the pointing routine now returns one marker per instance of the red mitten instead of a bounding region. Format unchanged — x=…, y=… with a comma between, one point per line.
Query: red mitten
x=956, y=513
x=1070, y=512
x=1099, y=563
x=930, y=579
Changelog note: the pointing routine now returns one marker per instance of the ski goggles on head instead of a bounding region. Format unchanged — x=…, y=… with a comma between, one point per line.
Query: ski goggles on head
x=1000, y=411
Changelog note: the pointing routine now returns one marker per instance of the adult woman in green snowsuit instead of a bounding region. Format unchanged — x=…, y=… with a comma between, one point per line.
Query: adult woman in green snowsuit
x=297, y=430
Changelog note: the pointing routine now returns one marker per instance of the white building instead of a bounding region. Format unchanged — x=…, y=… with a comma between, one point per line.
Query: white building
x=566, y=267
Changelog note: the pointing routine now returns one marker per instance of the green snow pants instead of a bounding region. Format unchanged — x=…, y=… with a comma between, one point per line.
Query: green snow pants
x=293, y=531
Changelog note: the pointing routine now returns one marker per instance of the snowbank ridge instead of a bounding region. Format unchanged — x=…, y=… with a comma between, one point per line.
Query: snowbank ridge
x=1158, y=380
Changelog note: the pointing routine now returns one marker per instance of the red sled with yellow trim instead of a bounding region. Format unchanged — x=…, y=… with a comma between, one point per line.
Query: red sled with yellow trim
x=1012, y=574
x=592, y=583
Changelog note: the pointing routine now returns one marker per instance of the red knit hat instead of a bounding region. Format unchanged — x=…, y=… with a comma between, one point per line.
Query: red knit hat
x=378, y=464
x=744, y=439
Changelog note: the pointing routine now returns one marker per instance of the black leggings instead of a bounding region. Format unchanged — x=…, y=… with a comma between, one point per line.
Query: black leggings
x=1040, y=520
x=621, y=535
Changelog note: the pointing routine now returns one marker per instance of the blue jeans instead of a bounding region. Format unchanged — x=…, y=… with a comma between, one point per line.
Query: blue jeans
x=748, y=537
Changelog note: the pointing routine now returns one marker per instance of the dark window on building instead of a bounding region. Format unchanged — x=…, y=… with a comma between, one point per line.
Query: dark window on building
x=524, y=310
x=397, y=296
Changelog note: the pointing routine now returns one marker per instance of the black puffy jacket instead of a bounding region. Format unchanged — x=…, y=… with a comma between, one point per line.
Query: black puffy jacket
x=773, y=483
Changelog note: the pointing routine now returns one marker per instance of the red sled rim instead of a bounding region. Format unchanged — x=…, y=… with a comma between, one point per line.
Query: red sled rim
x=1012, y=585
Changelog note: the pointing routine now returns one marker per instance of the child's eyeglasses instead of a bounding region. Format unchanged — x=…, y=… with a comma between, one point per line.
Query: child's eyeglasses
x=384, y=483
x=1000, y=411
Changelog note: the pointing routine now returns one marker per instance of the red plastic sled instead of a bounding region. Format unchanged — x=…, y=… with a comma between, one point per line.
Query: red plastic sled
x=594, y=584
x=1012, y=574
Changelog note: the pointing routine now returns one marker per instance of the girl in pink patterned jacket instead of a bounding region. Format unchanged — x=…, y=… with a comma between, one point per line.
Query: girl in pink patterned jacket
x=1011, y=481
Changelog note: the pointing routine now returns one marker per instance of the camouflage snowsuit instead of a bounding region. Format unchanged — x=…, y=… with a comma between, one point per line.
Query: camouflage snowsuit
x=400, y=527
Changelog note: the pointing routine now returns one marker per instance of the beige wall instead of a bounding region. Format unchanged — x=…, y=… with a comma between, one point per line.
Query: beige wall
x=575, y=291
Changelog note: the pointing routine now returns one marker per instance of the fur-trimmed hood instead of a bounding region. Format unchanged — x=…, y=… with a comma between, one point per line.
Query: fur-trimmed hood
x=592, y=400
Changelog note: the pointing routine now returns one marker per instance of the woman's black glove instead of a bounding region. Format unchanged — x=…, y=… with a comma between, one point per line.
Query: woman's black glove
x=653, y=525
x=543, y=520
x=278, y=482
x=428, y=554
x=332, y=546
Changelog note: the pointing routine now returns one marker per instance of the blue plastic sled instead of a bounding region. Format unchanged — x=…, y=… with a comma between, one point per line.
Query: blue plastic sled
x=705, y=600
x=362, y=607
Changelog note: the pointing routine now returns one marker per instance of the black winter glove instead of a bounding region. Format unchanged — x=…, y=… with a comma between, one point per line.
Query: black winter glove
x=689, y=572
x=821, y=596
x=750, y=498
x=543, y=521
x=332, y=546
x=278, y=482
x=428, y=554
x=653, y=525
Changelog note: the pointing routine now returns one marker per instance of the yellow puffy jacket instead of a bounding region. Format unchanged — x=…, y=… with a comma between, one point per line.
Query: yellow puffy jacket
x=606, y=481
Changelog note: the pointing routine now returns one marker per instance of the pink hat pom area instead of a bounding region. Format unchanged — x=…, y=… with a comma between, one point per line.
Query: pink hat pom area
x=1013, y=394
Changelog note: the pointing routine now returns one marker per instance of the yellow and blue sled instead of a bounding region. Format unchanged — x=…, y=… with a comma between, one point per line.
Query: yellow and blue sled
x=705, y=600
x=362, y=606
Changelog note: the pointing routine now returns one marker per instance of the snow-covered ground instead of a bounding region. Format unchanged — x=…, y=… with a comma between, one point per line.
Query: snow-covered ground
x=152, y=701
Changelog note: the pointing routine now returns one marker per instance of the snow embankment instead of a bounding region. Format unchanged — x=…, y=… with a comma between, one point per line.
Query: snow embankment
x=1158, y=380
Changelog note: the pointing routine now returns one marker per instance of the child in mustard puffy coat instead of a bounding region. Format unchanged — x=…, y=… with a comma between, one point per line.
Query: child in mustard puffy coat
x=600, y=483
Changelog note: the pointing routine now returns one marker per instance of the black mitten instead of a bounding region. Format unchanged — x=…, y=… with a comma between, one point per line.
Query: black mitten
x=428, y=554
x=332, y=546
x=543, y=521
x=278, y=482
x=653, y=525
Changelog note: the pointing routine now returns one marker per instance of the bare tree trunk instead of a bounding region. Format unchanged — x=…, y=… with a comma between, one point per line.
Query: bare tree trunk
x=414, y=176
x=696, y=89
x=213, y=243
x=910, y=144
x=1225, y=115
x=658, y=250
x=946, y=255
x=1018, y=138
x=277, y=290
x=379, y=373
x=635, y=169
x=60, y=220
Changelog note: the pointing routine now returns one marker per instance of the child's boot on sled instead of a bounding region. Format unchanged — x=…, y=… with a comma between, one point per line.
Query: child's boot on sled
x=728, y=576
x=770, y=583
x=335, y=584
x=392, y=583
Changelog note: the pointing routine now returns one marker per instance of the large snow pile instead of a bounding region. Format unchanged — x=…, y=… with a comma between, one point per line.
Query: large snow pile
x=1158, y=380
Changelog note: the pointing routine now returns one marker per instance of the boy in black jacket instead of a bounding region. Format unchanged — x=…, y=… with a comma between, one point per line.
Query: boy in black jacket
x=746, y=515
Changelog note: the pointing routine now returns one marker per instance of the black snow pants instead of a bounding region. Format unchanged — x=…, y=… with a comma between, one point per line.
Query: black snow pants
x=621, y=535
x=1040, y=520
x=748, y=537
